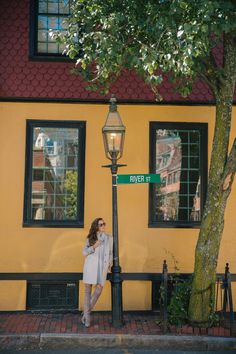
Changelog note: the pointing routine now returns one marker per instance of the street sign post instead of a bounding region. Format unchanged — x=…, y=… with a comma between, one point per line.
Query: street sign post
x=138, y=178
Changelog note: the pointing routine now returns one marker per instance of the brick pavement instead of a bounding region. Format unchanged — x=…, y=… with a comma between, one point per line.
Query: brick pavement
x=135, y=324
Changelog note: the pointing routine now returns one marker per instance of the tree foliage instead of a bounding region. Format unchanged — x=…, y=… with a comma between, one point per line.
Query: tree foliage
x=71, y=179
x=153, y=37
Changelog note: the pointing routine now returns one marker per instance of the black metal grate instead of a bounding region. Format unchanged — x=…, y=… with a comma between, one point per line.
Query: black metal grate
x=51, y=296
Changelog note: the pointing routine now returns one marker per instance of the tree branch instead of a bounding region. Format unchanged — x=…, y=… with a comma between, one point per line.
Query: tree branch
x=209, y=75
x=213, y=72
x=213, y=60
x=209, y=83
x=230, y=168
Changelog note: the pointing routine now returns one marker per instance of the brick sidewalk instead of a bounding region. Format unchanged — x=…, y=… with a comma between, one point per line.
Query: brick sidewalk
x=135, y=324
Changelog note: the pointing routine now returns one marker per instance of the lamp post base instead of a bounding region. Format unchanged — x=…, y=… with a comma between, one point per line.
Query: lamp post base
x=116, y=295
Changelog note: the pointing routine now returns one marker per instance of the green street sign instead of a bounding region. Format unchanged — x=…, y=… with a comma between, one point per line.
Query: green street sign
x=138, y=178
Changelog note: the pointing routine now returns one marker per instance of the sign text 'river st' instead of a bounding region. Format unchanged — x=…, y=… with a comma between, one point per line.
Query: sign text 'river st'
x=138, y=178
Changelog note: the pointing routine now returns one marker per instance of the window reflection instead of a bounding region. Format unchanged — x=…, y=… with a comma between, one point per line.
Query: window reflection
x=177, y=198
x=52, y=15
x=55, y=174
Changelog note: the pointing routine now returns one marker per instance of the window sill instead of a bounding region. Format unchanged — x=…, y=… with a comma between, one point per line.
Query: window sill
x=54, y=58
x=172, y=225
x=53, y=224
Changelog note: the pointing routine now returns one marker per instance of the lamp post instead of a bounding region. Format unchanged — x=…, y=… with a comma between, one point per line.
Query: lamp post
x=113, y=136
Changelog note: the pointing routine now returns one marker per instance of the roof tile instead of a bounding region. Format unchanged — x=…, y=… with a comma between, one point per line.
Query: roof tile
x=22, y=77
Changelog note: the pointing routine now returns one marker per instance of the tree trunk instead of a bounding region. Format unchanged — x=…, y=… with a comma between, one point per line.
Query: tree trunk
x=206, y=254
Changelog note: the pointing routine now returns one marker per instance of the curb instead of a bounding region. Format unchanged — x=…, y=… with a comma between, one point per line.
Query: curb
x=56, y=341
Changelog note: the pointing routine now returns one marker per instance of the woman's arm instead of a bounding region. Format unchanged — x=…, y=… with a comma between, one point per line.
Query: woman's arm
x=88, y=249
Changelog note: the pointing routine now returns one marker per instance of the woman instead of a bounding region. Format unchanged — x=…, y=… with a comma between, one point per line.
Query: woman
x=98, y=251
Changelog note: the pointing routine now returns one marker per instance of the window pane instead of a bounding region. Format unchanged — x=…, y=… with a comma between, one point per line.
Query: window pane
x=64, y=6
x=53, y=22
x=177, y=156
x=193, y=176
x=53, y=6
x=62, y=47
x=62, y=23
x=42, y=22
x=38, y=174
x=42, y=48
x=185, y=149
x=55, y=174
x=42, y=6
x=194, y=136
x=42, y=36
x=51, y=16
x=52, y=48
x=194, y=162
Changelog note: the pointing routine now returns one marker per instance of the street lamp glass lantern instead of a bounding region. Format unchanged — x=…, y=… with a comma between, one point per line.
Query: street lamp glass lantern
x=113, y=133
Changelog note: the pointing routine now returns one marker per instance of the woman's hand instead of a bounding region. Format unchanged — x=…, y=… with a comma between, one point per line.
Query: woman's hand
x=97, y=244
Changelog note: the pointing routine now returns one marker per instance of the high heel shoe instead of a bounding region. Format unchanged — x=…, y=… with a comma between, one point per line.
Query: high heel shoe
x=82, y=318
x=85, y=320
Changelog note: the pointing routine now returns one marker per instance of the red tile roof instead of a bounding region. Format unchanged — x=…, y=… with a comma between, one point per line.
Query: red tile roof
x=21, y=77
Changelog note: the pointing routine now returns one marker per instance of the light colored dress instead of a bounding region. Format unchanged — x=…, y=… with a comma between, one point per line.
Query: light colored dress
x=98, y=261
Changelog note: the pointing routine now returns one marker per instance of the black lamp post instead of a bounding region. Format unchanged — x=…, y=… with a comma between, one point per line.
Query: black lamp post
x=113, y=136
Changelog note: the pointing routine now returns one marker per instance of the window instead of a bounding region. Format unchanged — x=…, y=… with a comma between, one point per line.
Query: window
x=54, y=175
x=178, y=152
x=46, y=15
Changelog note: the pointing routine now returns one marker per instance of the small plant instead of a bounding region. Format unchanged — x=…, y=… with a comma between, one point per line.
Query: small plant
x=179, y=301
x=214, y=319
x=179, y=291
x=213, y=316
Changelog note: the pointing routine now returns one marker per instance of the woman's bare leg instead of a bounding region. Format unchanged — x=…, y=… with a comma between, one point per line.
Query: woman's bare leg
x=96, y=294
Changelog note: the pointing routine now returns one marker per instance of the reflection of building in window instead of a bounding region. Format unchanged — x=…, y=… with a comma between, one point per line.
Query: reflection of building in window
x=46, y=192
x=177, y=162
x=41, y=139
x=168, y=157
x=54, y=182
x=195, y=214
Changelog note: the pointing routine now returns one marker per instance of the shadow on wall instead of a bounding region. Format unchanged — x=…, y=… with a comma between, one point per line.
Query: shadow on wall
x=53, y=253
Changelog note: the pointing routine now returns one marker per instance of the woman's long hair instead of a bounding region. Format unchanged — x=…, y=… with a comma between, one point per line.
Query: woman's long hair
x=92, y=236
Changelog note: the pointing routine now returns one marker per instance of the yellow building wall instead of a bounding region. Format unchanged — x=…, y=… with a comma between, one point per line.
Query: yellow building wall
x=142, y=249
x=12, y=295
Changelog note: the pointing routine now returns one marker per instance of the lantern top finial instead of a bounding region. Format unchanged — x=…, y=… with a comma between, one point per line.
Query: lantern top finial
x=113, y=107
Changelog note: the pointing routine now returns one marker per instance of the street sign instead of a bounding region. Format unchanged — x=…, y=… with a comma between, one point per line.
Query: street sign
x=138, y=178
